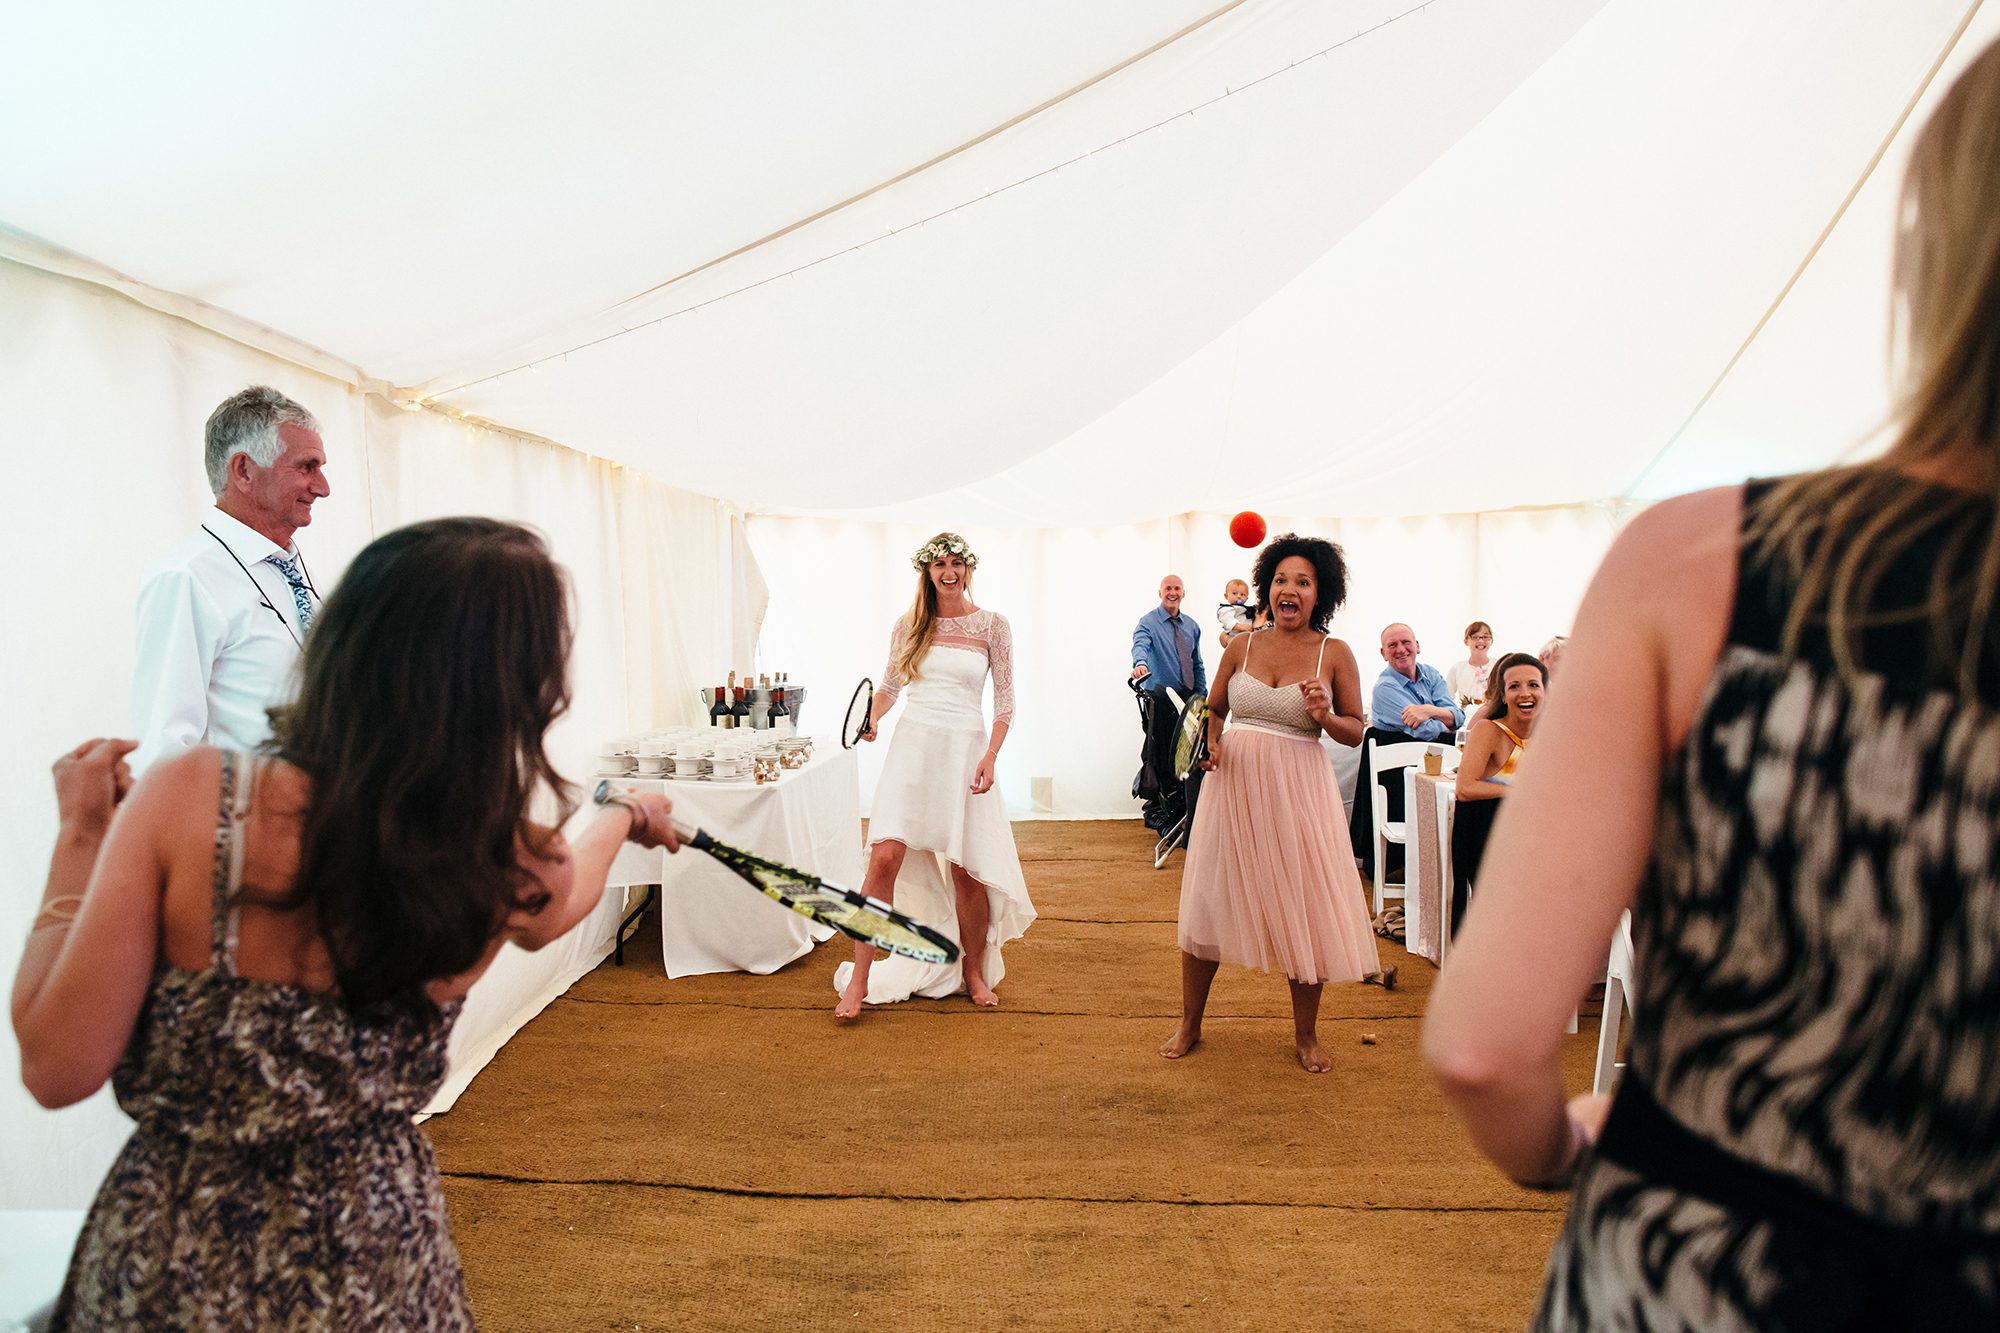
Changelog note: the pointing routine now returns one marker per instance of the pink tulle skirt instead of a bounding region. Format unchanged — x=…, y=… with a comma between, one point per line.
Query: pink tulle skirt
x=1270, y=880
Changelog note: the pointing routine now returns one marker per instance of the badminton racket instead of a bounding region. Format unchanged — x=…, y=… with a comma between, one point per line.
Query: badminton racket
x=859, y=725
x=1191, y=738
x=867, y=919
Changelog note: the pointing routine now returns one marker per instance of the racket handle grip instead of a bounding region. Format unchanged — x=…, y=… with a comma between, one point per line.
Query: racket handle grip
x=685, y=832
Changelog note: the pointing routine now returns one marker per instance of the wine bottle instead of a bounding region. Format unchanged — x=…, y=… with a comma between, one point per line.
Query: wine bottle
x=779, y=717
x=718, y=712
x=742, y=706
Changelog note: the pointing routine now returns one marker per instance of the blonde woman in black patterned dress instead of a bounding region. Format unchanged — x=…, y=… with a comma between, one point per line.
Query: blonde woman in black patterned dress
x=1777, y=741
x=265, y=953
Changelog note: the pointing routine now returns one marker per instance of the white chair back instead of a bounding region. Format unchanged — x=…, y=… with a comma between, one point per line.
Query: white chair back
x=1382, y=759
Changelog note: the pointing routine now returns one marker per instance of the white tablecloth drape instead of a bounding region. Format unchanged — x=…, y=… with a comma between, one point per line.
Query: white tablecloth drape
x=710, y=919
x=1429, y=803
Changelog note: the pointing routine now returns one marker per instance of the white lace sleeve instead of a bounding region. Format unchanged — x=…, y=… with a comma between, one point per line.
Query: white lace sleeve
x=892, y=681
x=1000, y=655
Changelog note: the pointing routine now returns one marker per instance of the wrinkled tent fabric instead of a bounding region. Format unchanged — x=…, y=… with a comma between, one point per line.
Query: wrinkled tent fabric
x=1454, y=229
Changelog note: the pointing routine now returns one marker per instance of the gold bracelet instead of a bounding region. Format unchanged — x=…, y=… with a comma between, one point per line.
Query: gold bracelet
x=69, y=903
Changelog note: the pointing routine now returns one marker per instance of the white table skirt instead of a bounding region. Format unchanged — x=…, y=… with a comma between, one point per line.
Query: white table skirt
x=710, y=919
x=1427, y=863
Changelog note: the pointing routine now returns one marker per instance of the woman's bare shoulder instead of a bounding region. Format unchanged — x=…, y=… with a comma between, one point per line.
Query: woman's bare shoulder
x=1673, y=568
x=1695, y=526
x=175, y=788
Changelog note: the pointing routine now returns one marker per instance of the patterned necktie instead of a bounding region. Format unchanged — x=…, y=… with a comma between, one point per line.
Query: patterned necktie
x=1186, y=646
x=300, y=598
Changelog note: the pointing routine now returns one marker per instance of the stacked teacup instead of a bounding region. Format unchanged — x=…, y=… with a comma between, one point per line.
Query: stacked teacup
x=652, y=759
x=615, y=759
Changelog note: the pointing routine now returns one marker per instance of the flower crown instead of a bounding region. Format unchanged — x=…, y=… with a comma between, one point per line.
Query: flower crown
x=942, y=545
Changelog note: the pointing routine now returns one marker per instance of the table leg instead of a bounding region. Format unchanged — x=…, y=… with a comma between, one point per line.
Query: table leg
x=618, y=940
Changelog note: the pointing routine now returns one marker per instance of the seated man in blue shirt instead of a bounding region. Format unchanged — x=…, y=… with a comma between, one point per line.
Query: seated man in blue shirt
x=1411, y=702
x=1410, y=697
x=1166, y=654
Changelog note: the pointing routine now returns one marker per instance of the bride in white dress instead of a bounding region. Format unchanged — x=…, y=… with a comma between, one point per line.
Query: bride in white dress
x=936, y=797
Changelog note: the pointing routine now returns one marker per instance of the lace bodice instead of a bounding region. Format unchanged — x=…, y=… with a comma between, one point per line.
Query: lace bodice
x=986, y=633
x=1272, y=707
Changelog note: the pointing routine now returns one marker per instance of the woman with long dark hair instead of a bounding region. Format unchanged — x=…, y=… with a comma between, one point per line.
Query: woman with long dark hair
x=1777, y=742
x=1494, y=748
x=1270, y=878
x=265, y=952
x=936, y=796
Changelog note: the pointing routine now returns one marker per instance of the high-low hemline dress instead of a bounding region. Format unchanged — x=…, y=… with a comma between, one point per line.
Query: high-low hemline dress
x=924, y=800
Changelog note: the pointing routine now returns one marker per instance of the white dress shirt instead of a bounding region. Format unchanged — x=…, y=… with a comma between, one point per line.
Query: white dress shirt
x=218, y=643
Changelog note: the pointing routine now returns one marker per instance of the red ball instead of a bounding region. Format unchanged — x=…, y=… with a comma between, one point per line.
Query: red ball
x=1247, y=528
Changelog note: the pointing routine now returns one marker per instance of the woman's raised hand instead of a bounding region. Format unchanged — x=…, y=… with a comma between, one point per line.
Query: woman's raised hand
x=90, y=782
x=1318, y=702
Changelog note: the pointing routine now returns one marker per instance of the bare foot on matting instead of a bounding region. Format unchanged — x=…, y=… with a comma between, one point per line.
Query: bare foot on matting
x=981, y=993
x=1312, y=1059
x=851, y=999
x=1181, y=1043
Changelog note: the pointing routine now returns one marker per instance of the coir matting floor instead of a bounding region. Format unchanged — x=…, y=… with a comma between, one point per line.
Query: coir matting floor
x=715, y=1153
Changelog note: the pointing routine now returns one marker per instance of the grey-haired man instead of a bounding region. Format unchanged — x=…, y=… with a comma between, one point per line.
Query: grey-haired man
x=223, y=617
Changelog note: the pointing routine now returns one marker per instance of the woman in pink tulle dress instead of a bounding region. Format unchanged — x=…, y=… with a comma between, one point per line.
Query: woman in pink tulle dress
x=1270, y=879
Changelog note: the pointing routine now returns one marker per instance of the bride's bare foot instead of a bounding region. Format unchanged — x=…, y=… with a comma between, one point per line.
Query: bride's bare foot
x=981, y=993
x=1181, y=1043
x=1312, y=1059
x=851, y=999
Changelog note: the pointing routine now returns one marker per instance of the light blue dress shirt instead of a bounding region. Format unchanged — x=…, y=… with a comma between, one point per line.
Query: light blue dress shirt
x=1156, y=642
x=1394, y=692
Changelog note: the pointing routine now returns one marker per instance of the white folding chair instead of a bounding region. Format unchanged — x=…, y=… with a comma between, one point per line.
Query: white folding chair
x=1383, y=759
x=1617, y=1002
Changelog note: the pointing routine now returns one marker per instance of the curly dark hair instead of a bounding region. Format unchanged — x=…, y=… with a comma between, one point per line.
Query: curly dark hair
x=431, y=676
x=1329, y=573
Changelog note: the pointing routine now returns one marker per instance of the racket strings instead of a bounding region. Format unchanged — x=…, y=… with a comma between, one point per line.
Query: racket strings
x=833, y=906
x=858, y=708
x=1192, y=733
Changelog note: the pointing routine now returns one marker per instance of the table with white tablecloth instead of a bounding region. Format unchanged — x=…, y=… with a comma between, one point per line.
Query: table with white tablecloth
x=710, y=919
x=1429, y=802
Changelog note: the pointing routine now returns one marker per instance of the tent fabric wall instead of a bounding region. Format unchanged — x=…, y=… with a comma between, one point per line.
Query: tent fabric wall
x=1072, y=596
x=101, y=413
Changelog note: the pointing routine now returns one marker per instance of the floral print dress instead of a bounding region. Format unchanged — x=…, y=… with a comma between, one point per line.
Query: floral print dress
x=276, y=1178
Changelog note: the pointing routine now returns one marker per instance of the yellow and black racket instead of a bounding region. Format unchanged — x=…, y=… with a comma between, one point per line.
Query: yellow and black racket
x=851, y=913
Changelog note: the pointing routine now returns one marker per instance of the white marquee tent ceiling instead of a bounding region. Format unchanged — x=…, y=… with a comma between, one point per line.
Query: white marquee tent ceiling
x=1083, y=264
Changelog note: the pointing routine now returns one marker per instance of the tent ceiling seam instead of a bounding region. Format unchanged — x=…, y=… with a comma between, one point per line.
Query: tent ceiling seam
x=31, y=252
x=425, y=393
x=877, y=188
x=1867, y=173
